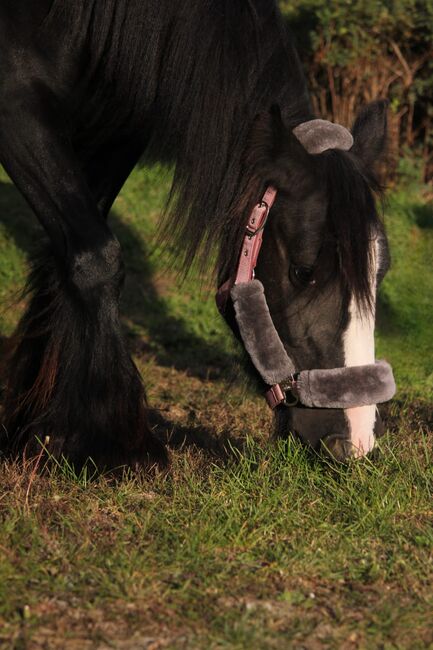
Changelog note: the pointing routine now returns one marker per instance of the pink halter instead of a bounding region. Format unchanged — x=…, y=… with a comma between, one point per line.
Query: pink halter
x=248, y=257
x=251, y=246
x=253, y=237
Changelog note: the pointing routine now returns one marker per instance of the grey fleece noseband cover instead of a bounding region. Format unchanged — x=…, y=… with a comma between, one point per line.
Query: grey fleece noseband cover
x=338, y=388
x=343, y=388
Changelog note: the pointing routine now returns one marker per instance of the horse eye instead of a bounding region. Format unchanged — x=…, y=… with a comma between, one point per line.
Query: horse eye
x=302, y=275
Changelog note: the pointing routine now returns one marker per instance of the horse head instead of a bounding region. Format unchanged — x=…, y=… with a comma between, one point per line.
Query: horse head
x=307, y=319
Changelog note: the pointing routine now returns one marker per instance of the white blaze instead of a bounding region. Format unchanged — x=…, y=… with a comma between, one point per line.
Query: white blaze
x=358, y=343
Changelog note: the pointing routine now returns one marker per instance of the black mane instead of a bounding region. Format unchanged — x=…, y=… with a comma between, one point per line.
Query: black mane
x=353, y=222
x=197, y=73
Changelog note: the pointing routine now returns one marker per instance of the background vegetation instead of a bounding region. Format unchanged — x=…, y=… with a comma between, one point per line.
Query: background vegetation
x=246, y=543
x=355, y=52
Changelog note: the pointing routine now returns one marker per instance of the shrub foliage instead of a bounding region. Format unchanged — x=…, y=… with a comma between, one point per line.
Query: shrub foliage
x=357, y=51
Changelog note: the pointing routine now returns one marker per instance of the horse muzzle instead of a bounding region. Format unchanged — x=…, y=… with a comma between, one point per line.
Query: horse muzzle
x=335, y=388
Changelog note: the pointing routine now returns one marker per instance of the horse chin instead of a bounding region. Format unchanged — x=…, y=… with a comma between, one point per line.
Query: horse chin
x=327, y=431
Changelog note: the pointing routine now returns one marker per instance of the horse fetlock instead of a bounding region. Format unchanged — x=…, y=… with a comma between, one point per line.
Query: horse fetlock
x=70, y=393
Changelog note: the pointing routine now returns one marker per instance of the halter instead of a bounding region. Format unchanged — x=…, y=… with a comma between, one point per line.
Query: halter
x=339, y=388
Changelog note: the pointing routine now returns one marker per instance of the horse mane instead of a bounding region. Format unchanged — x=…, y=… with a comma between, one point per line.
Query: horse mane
x=247, y=63
x=353, y=222
x=194, y=74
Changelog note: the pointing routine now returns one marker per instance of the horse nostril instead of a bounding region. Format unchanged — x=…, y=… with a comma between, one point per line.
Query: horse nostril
x=336, y=448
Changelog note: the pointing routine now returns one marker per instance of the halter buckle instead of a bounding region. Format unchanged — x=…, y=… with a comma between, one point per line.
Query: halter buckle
x=263, y=219
x=277, y=394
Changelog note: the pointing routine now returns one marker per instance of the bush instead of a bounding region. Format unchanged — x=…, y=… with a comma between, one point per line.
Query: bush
x=358, y=51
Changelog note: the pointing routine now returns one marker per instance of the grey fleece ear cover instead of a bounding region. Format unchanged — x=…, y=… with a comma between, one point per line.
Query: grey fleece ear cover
x=320, y=135
x=331, y=388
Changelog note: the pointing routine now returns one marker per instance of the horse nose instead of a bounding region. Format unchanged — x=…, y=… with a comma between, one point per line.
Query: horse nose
x=337, y=447
x=360, y=441
x=342, y=447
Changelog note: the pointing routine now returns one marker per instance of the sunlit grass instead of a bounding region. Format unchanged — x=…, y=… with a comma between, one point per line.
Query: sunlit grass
x=406, y=301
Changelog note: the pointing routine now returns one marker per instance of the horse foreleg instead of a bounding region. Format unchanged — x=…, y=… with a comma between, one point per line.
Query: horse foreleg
x=71, y=382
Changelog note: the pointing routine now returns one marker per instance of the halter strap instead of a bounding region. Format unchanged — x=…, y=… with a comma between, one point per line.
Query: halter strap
x=251, y=246
x=253, y=237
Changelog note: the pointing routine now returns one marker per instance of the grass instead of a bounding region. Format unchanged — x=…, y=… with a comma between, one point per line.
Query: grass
x=244, y=544
x=406, y=298
x=269, y=547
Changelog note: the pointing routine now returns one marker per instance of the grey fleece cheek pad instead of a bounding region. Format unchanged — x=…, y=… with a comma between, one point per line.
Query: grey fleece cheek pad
x=335, y=388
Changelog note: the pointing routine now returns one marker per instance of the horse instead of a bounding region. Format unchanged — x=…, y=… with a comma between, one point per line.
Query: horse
x=89, y=87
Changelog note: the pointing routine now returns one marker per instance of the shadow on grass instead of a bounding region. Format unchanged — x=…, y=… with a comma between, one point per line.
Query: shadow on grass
x=387, y=318
x=179, y=436
x=171, y=341
x=17, y=218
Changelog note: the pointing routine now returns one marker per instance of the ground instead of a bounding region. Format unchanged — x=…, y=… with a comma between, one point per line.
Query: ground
x=245, y=543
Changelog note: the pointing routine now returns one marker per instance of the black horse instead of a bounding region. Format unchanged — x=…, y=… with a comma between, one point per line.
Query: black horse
x=86, y=88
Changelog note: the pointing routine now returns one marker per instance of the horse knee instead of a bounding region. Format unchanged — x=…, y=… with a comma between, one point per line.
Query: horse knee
x=98, y=268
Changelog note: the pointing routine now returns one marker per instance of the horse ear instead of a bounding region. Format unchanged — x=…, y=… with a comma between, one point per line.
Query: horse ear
x=275, y=150
x=370, y=132
x=286, y=143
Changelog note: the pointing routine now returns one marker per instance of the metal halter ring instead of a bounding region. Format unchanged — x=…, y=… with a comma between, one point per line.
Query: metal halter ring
x=290, y=404
x=287, y=386
x=290, y=382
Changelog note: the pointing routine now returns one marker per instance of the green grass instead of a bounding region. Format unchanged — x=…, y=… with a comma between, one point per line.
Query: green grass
x=406, y=299
x=245, y=543
x=269, y=547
